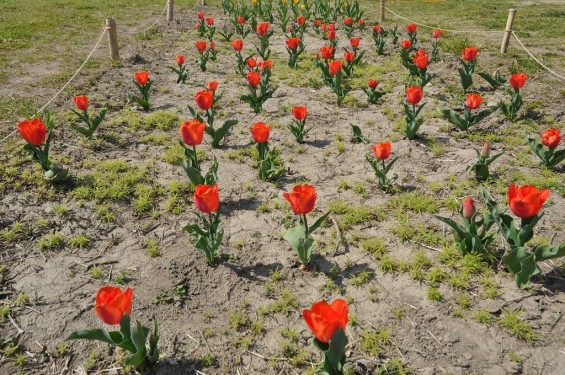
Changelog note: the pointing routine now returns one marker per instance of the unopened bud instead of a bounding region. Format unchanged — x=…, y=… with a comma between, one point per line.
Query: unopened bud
x=486, y=151
x=468, y=208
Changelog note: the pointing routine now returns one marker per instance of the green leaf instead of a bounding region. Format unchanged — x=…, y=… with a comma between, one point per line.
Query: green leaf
x=545, y=252
x=456, y=227
x=194, y=230
x=138, y=337
x=125, y=324
x=334, y=356
x=112, y=338
x=513, y=259
x=454, y=118
x=528, y=268
x=318, y=222
x=222, y=131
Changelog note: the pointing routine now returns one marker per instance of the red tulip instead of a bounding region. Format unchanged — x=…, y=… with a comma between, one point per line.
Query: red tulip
x=33, y=131
x=414, y=94
x=470, y=53
x=348, y=21
x=81, y=102
x=212, y=85
x=212, y=46
x=192, y=132
x=241, y=20
x=551, y=137
x=317, y=22
x=331, y=26
x=112, y=304
x=421, y=59
x=526, y=201
x=437, y=33
x=300, y=113
x=354, y=42
x=302, y=199
x=335, y=66
x=324, y=27
x=468, y=208
x=201, y=45
x=349, y=57
x=372, y=84
x=200, y=15
x=327, y=52
x=473, y=101
x=262, y=28
x=323, y=319
x=300, y=20
x=289, y=29
x=406, y=44
x=237, y=45
x=292, y=43
x=204, y=99
x=485, y=152
x=141, y=78
x=206, y=198
x=260, y=132
x=266, y=64
x=210, y=21
x=253, y=78
x=378, y=29
x=517, y=81
x=330, y=34
x=382, y=150
x=361, y=22
x=411, y=28
x=251, y=62
x=180, y=59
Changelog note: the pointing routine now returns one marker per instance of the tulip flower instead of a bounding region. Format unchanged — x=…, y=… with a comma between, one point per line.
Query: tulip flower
x=411, y=28
x=327, y=52
x=379, y=39
x=241, y=20
x=327, y=322
x=192, y=134
x=526, y=201
x=546, y=150
x=406, y=44
x=238, y=21
x=237, y=45
x=354, y=42
x=259, y=88
x=143, y=84
x=348, y=26
x=469, y=62
x=114, y=307
x=204, y=99
x=241, y=63
x=412, y=34
x=180, y=69
x=264, y=34
x=436, y=34
x=208, y=238
x=481, y=166
x=295, y=48
x=472, y=102
x=299, y=130
x=468, y=208
x=371, y=90
x=414, y=95
x=260, y=132
x=418, y=67
x=269, y=163
x=81, y=102
x=302, y=200
x=335, y=67
x=517, y=81
x=381, y=152
x=33, y=131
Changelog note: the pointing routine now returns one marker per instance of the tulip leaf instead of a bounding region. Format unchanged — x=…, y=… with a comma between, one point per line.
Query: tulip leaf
x=454, y=118
x=514, y=257
x=318, y=222
x=138, y=337
x=528, y=268
x=456, y=227
x=545, y=252
x=222, y=131
x=334, y=356
x=112, y=338
x=125, y=326
x=153, y=354
x=466, y=78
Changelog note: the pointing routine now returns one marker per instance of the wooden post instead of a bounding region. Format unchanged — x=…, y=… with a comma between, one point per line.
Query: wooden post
x=508, y=31
x=170, y=6
x=113, y=38
x=382, y=12
x=203, y=2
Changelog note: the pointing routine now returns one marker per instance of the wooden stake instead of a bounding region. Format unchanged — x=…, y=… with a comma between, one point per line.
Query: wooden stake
x=382, y=12
x=170, y=6
x=113, y=38
x=508, y=31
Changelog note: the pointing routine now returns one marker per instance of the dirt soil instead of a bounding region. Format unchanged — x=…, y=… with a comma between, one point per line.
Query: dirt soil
x=211, y=326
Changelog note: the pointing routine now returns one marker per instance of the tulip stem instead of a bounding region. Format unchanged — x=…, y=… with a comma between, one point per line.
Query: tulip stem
x=195, y=158
x=305, y=225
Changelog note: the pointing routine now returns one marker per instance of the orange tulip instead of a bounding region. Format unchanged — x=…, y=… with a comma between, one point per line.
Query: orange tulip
x=517, y=81
x=335, y=66
x=300, y=113
x=241, y=20
x=411, y=28
x=327, y=52
x=349, y=57
x=551, y=137
x=81, y=102
x=141, y=78
x=348, y=21
x=361, y=22
x=372, y=84
x=266, y=64
x=262, y=28
x=237, y=45
x=200, y=15
x=331, y=34
x=292, y=43
x=378, y=29
x=526, y=201
x=206, y=198
x=324, y=319
x=253, y=78
x=251, y=62
x=406, y=44
x=204, y=99
x=192, y=132
x=212, y=46
x=317, y=22
x=414, y=94
x=354, y=42
x=200, y=45
x=33, y=131
x=300, y=20
x=260, y=132
x=470, y=53
x=112, y=304
x=468, y=208
x=210, y=21
x=382, y=150
x=421, y=60
x=473, y=101
x=437, y=33
x=180, y=59
x=212, y=85
x=302, y=199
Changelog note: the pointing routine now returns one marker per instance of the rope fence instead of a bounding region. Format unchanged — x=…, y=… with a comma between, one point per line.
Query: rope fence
x=153, y=24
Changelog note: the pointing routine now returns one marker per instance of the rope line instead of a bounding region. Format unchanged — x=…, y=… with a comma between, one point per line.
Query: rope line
x=448, y=30
x=66, y=84
x=536, y=60
x=153, y=24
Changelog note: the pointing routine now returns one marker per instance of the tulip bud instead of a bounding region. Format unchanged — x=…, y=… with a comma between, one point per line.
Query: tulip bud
x=485, y=151
x=468, y=208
